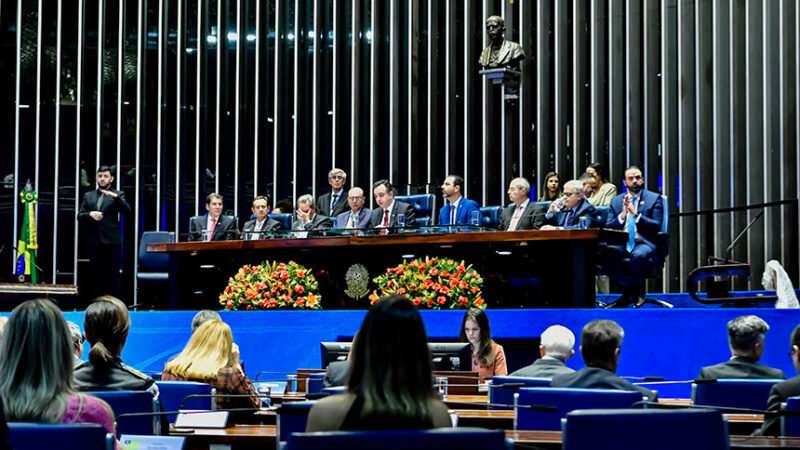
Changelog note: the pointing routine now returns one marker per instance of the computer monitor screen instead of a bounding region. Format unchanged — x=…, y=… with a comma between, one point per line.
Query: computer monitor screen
x=334, y=351
x=450, y=355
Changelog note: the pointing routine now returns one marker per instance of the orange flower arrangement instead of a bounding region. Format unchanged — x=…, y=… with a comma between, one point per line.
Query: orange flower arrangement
x=434, y=283
x=271, y=285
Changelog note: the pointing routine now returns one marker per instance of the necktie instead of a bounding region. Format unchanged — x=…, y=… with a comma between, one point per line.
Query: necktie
x=452, y=214
x=515, y=220
x=385, y=217
x=256, y=231
x=334, y=199
x=568, y=219
x=630, y=226
x=99, y=200
x=353, y=221
x=211, y=228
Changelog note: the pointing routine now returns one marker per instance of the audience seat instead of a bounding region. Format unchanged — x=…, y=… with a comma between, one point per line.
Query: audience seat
x=153, y=267
x=490, y=216
x=334, y=390
x=128, y=402
x=314, y=383
x=435, y=439
x=423, y=208
x=292, y=418
x=565, y=400
x=734, y=392
x=790, y=424
x=285, y=219
x=173, y=396
x=79, y=436
x=651, y=429
x=503, y=388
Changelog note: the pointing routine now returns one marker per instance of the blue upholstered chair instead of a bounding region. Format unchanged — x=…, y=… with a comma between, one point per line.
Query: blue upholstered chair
x=292, y=418
x=334, y=390
x=435, y=439
x=490, y=216
x=423, y=207
x=153, y=266
x=285, y=220
x=503, y=388
x=602, y=214
x=314, y=383
x=173, y=396
x=79, y=436
x=734, y=392
x=651, y=429
x=528, y=417
x=790, y=424
x=131, y=402
x=545, y=203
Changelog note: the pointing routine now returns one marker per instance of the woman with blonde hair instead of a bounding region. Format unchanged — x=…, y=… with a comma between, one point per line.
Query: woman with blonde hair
x=211, y=357
x=36, y=370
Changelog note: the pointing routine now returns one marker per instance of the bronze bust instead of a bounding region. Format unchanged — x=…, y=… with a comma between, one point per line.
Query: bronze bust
x=500, y=53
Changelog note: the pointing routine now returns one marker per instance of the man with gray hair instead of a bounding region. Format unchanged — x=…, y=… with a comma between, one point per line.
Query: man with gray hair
x=567, y=211
x=555, y=349
x=333, y=203
x=203, y=316
x=77, y=343
x=746, y=338
x=522, y=213
x=307, y=217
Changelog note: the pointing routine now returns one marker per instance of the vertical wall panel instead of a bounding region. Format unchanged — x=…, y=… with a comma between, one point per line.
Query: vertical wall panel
x=687, y=136
x=704, y=150
x=754, y=91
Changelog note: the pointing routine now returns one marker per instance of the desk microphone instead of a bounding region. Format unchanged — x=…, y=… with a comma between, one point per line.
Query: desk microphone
x=695, y=381
x=645, y=378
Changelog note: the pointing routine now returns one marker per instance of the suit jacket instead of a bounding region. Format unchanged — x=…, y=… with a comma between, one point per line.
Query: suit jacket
x=398, y=208
x=582, y=209
x=740, y=367
x=532, y=217
x=318, y=223
x=269, y=226
x=105, y=231
x=324, y=204
x=225, y=230
x=777, y=395
x=649, y=224
x=336, y=374
x=464, y=212
x=597, y=377
x=544, y=368
x=364, y=215
x=116, y=377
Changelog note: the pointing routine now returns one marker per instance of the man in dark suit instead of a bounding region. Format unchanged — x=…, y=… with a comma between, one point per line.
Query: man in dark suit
x=457, y=208
x=600, y=344
x=746, y=335
x=99, y=214
x=566, y=213
x=386, y=215
x=307, y=217
x=333, y=203
x=336, y=374
x=522, y=213
x=555, y=349
x=357, y=216
x=781, y=391
x=214, y=226
x=640, y=211
x=263, y=225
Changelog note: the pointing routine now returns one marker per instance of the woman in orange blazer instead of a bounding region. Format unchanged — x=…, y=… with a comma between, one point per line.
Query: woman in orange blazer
x=488, y=358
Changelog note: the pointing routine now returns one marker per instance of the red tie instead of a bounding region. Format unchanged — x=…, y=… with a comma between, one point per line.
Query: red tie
x=211, y=228
x=386, y=217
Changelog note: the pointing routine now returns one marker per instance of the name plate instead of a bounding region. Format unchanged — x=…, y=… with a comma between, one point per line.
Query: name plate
x=201, y=419
x=137, y=442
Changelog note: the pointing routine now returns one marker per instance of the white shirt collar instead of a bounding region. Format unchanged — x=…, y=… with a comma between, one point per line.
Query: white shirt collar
x=391, y=205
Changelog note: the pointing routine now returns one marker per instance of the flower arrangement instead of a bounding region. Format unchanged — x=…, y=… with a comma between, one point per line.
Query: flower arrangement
x=434, y=283
x=271, y=285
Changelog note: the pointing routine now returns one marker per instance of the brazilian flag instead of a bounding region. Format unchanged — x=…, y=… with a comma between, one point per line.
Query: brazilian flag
x=28, y=243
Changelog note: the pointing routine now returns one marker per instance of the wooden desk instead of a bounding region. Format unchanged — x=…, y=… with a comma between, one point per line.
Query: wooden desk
x=12, y=294
x=493, y=419
x=467, y=401
x=236, y=437
x=199, y=271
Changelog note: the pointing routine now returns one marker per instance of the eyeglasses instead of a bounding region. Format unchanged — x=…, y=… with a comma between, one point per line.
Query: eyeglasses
x=355, y=198
x=569, y=194
x=337, y=177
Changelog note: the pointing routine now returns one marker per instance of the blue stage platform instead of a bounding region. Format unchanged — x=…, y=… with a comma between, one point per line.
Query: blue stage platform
x=673, y=343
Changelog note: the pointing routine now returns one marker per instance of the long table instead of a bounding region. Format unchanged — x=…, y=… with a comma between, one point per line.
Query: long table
x=535, y=269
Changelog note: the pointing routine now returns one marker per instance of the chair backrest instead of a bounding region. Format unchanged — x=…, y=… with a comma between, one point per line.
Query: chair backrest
x=314, y=382
x=285, y=219
x=565, y=400
x=173, y=393
x=653, y=429
x=734, y=392
x=435, y=439
x=601, y=216
x=131, y=402
x=545, y=203
x=423, y=207
x=334, y=390
x=503, y=388
x=490, y=216
x=77, y=436
x=790, y=425
x=292, y=418
x=150, y=261
x=665, y=220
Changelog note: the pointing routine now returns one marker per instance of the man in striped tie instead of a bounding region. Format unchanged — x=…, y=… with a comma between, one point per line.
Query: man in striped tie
x=333, y=203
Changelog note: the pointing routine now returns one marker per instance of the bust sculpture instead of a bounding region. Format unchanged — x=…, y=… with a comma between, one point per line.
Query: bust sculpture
x=500, y=53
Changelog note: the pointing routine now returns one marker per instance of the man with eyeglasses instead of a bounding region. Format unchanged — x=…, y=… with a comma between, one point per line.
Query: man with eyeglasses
x=333, y=203
x=357, y=216
x=746, y=336
x=781, y=391
x=566, y=212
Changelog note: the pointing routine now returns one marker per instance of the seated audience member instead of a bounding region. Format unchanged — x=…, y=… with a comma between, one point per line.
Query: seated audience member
x=457, y=208
x=283, y=206
x=488, y=358
x=211, y=357
x=77, y=342
x=307, y=217
x=600, y=345
x=263, y=224
x=746, y=338
x=357, y=216
x=555, y=349
x=337, y=371
x=36, y=371
x=203, y=316
x=106, y=324
x=331, y=204
x=551, y=188
x=391, y=382
x=566, y=213
x=781, y=391
x=603, y=190
x=589, y=184
x=385, y=216
x=522, y=213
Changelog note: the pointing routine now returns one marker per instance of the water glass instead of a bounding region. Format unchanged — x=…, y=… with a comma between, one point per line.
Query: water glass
x=475, y=220
x=441, y=386
x=401, y=220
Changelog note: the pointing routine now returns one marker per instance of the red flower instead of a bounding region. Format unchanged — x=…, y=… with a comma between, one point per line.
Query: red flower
x=446, y=290
x=430, y=302
x=417, y=300
x=436, y=286
x=474, y=289
x=461, y=269
x=301, y=301
x=462, y=284
x=441, y=300
x=445, y=273
x=229, y=305
x=434, y=271
x=284, y=276
x=262, y=303
x=249, y=307
x=453, y=282
x=299, y=288
x=301, y=273
x=462, y=300
x=401, y=291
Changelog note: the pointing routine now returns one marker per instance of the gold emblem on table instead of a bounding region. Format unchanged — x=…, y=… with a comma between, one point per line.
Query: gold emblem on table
x=357, y=279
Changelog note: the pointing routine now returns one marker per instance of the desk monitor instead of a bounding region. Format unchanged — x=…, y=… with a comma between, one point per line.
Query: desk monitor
x=334, y=351
x=450, y=355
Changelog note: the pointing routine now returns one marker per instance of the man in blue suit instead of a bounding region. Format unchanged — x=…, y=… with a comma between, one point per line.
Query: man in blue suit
x=566, y=212
x=357, y=216
x=641, y=211
x=457, y=208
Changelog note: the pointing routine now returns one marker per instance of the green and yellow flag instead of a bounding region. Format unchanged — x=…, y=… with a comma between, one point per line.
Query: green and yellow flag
x=28, y=243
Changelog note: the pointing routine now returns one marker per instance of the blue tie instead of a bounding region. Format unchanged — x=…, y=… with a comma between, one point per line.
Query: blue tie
x=630, y=226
